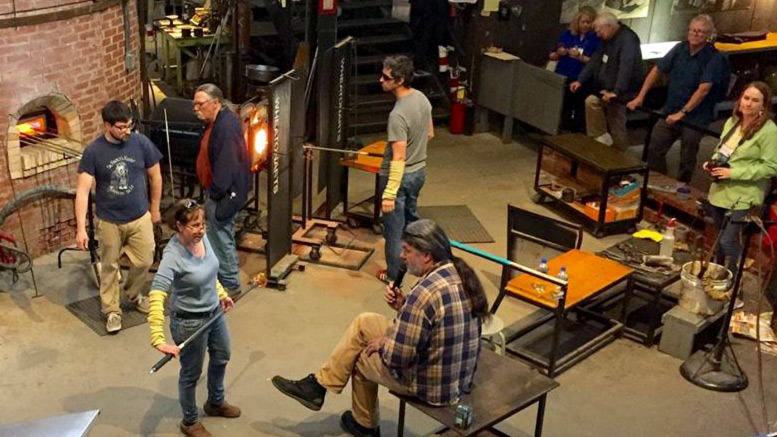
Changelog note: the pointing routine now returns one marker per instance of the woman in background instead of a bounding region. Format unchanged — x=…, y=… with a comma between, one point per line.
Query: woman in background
x=573, y=50
x=741, y=166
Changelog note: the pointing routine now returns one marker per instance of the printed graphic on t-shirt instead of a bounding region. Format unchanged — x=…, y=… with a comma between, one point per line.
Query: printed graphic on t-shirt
x=119, y=168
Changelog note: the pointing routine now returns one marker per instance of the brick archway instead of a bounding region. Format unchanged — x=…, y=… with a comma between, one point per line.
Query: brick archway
x=27, y=161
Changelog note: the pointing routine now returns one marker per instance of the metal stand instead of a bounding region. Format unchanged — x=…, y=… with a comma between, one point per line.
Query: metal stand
x=308, y=223
x=719, y=369
x=306, y=220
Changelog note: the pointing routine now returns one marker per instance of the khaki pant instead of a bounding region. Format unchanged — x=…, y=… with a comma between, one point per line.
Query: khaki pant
x=602, y=117
x=366, y=373
x=136, y=239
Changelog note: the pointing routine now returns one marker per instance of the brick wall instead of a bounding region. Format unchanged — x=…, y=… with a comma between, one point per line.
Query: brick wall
x=82, y=59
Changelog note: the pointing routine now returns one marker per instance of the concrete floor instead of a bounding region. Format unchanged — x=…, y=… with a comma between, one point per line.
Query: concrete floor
x=52, y=364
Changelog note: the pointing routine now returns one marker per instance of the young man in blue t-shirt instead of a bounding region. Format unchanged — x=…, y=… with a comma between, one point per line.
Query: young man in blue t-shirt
x=118, y=161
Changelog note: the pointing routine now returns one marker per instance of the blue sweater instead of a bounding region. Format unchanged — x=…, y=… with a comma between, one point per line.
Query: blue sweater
x=228, y=157
x=192, y=279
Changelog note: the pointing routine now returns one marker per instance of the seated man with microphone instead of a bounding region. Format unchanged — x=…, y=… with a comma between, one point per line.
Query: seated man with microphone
x=429, y=350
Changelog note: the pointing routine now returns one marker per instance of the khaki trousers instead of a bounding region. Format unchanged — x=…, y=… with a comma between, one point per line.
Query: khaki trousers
x=602, y=117
x=348, y=361
x=136, y=239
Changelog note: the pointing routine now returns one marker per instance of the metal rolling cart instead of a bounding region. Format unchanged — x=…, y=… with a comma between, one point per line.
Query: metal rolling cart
x=601, y=186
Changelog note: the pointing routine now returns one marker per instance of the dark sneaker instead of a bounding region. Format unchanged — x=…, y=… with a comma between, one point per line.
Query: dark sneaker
x=307, y=391
x=196, y=430
x=352, y=427
x=223, y=410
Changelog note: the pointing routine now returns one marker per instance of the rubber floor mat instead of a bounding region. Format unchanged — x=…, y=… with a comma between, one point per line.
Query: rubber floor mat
x=88, y=311
x=458, y=222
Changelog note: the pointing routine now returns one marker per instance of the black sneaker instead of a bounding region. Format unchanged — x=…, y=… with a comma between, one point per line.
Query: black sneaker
x=306, y=391
x=352, y=427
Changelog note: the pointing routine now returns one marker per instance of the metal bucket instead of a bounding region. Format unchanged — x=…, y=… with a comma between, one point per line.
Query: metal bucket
x=705, y=296
x=261, y=73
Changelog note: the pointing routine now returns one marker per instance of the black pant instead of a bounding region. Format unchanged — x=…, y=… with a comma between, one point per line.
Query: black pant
x=573, y=114
x=663, y=137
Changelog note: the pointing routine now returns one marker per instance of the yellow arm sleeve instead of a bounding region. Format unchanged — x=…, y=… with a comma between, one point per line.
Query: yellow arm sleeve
x=221, y=290
x=396, y=170
x=156, y=316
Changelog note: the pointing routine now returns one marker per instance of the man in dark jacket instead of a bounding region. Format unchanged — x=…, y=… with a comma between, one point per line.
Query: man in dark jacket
x=616, y=72
x=222, y=169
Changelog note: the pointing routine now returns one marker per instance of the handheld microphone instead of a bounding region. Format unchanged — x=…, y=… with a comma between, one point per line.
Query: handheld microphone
x=400, y=276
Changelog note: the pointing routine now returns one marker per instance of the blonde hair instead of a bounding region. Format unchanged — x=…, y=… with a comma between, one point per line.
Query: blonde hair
x=574, y=25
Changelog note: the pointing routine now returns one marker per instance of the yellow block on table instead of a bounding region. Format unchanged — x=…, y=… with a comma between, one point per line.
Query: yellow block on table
x=372, y=161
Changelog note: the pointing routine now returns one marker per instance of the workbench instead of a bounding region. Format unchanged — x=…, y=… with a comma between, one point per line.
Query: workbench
x=369, y=164
x=593, y=171
x=590, y=276
x=650, y=300
x=175, y=46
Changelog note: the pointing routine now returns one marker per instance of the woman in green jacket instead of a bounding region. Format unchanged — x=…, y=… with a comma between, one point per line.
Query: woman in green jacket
x=741, y=166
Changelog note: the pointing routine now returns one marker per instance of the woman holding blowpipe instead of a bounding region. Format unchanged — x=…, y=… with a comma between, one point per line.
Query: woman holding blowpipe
x=188, y=273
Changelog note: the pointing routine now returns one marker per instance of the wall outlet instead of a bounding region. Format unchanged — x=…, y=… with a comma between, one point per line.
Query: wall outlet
x=129, y=61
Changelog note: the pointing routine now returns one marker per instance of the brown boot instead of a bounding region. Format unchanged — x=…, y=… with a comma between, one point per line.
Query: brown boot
x=223, y=410
x=196, y=430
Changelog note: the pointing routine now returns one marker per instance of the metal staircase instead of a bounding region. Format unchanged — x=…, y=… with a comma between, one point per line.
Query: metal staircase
x=378, y=35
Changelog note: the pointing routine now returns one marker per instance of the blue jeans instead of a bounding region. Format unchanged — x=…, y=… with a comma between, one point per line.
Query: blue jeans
x=221, y=235
x=729, y=244
x=216, y=340
x=405, y=212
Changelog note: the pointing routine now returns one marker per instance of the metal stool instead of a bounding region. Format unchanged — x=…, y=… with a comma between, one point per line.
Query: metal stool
x=492, y=331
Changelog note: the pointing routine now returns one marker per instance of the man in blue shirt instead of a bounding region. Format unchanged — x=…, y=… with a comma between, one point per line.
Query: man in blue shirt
x=118, y=162
x=696, y=73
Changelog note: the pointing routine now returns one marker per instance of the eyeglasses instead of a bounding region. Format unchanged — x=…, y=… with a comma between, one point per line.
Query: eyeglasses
x=698, y=31
x=198, y=227
x=199, y=104
x=386, y=78
x=123, y=127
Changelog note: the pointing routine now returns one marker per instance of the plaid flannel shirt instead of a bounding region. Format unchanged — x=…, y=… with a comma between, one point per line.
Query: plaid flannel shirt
x=434, y=343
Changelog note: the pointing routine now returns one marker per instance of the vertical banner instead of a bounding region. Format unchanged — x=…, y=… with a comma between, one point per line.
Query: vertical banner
x=339, y=122
x=279, y=199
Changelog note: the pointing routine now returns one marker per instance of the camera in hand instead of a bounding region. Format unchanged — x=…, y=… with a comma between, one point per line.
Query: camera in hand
x=717, y=163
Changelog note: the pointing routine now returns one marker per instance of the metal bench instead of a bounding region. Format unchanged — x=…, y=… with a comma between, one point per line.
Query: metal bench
x=503, y=387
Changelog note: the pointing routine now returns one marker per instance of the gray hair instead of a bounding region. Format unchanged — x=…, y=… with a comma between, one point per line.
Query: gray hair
x=212, y=91
x=607, y=18
x=401, y=66
x=707, y=20
x=428, y=238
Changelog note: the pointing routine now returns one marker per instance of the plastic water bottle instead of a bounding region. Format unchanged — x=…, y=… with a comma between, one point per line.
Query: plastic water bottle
x=543, y=267
x=562, y=274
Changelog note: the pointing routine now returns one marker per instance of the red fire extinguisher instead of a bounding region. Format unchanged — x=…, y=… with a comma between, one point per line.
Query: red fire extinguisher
x=442, y=61
x=327, y=7
x=453, y=84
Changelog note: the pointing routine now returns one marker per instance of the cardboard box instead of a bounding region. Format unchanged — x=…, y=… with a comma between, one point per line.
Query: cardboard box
x=625, y=212
x=592, y=210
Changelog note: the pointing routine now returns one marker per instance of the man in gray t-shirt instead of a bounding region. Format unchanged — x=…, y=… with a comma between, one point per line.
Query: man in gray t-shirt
x=403, y=170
